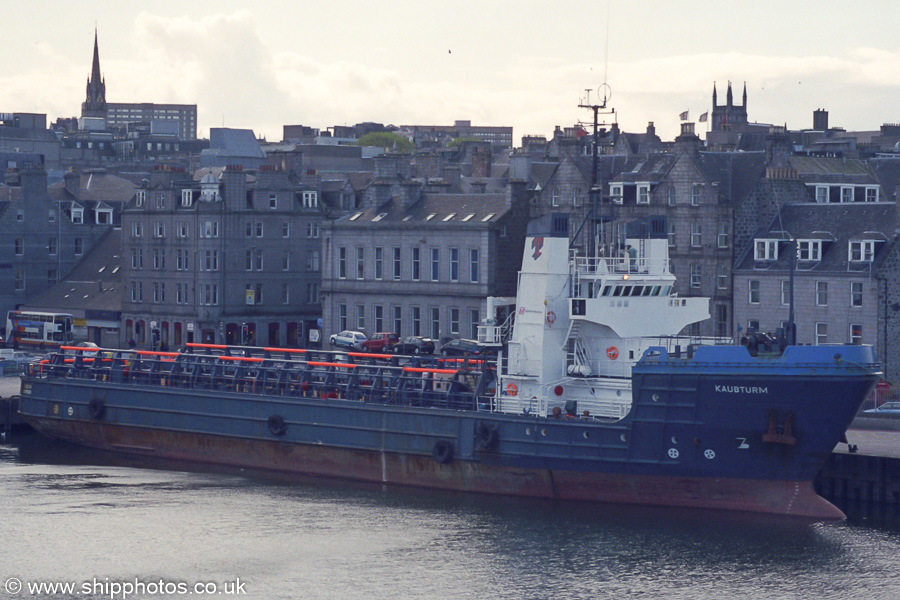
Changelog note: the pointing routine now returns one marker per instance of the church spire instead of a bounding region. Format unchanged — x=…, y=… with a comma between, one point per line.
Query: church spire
x=729, y=99
x=714, y=94
x=745, y=96
x=94, y=104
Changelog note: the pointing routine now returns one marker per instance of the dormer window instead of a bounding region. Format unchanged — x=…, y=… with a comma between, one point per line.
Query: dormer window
x=77, y=215
x=766, y=250
x=616, y=192
x=822, y=194
x=809, y=250
x=872, y=194
x=140, y=197
x=103, y=216
x=847, y=193
x=861, y=251
x=187, y=197
x=310, y=199
x=643, y=193
x=160, y=199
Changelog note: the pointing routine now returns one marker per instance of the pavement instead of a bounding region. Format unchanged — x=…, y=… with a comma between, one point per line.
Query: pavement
x=872, y=442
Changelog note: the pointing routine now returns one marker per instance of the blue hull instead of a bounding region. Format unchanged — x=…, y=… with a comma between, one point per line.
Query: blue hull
x=713, y=431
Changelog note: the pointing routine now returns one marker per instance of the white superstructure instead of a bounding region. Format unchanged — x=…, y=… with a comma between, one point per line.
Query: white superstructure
x=581, y=323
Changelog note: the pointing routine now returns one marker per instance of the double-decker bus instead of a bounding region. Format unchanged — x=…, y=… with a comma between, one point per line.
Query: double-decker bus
x=38, y=329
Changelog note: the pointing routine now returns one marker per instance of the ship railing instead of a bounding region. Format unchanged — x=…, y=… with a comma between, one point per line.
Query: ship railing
x=459, y=383
x=597, y=266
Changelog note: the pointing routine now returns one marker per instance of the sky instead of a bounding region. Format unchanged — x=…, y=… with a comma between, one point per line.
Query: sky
x=518, y=63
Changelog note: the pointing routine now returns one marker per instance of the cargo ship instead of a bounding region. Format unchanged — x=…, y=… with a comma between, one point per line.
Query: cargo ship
x=591, y=396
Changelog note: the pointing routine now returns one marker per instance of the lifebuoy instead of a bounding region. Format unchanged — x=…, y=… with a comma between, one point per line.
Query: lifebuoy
x=512, y=390
x=277, y=426
x=442, y=451
x=487, y=436
x=551, y=317
x=612, y=352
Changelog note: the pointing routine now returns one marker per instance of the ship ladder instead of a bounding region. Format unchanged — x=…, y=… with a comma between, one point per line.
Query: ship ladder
x=577, y=354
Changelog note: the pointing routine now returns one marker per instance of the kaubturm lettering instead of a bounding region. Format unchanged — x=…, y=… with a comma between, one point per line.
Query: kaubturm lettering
x=740, y=389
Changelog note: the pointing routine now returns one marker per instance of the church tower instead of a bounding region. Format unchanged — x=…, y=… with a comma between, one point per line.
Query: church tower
x=95, y=103
x=730, y=115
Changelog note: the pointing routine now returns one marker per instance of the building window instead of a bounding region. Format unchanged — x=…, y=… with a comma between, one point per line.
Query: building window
x=248, y=230
x=210, y=260
x=753, y=287
x=379, y=317
x=856, y=334
x=285, y=260
x=721, y=320
x=555, y=196
x=137, y=258
x=140, y=197
x=19, y=280
x=209, y=294
x=435, y=323
x=210, y=229
x=821, y=333
x=360, y=316
x=180, y=293
x=415, y=264
x=696, y=234
x=159, y=259
x=160, y=200
x=473, y=265
x=310, y=199
x=312, y=292
x=752, y=325
x=398, y=320
x=248, y=259
x=273, y=200
x=379, y=263
x=416, y=313
x=259, y=229
x=871, y=194
x=474, y=320
x=822, y=194
x=810, y=250
x=576, y=197
x=846, y=193
x=159, y=229
x=286, y=230
x=77, y=216
x=670, y=196
x=615, y=193
x=454, y=321
x=312, y=229
x=766, y=250
x=856, y=293
x=137, y=291
x=20, y=246
x=695, y=195
x=643, y=193
x=722, y=276
x=861, y=251
x=342, y=263
x=159, y=292
x=435, y=264
x=722, y=237
x=454, y=264
x=695, y=275
x=52, y=246
x=360, y=263
x=187, y=197
x=312, y=261
x=342, y=317
x=182, y=229
x=785, y=292
x=671, y=234
x=821, y=293
x=396, y=262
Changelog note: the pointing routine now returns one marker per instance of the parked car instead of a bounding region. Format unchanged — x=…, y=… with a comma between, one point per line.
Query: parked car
x=888, y=408
x=414, y=344
x=462, y=346
x=348, y=339
x=381, y=342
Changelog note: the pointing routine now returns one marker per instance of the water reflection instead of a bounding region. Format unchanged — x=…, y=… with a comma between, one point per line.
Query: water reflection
x=296, y=537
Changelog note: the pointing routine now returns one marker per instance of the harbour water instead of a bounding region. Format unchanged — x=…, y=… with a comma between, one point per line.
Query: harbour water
x=103, y=523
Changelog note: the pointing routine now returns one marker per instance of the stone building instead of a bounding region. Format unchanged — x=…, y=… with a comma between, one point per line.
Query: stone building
x=229, y=259
x=48, y=229
x=420, y=263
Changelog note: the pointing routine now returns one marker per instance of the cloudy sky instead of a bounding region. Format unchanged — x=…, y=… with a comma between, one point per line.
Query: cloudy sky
x=518, y=63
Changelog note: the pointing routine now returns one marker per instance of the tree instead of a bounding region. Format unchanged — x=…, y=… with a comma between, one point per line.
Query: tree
x=387, y=140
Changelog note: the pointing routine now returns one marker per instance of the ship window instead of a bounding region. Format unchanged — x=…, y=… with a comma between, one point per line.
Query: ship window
x=666, y=290
x=607, y=290
x=617, y=291
x=638, y=290
x=655, y=291
x=647, y=290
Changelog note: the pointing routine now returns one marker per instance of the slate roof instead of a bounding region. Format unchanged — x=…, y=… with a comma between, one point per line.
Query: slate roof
x=736, y=172
x=447, y=209
x=836, y=225
x=99, y=186
x=832, y=170
x=225, y=142
x=95, y=283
